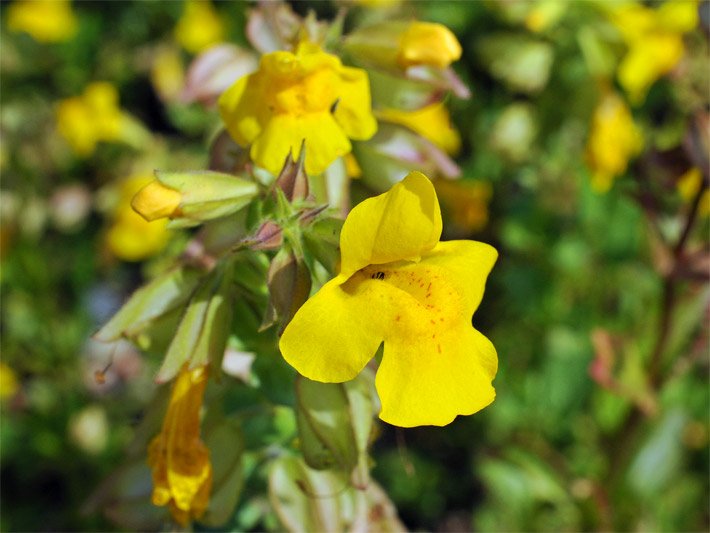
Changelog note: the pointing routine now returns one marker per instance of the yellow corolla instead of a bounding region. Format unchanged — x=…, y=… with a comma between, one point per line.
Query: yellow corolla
x=182, y=472
x=432, y=122
x=47, y=21
x=654, y=37
x=130, y=237
x=307, y=95
x=92, y=117
x=199, y=27
x=613, y=140
x=399, y=285
x=427, y=43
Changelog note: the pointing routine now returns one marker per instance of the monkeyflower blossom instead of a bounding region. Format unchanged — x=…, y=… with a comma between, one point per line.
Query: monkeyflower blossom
x=130, y=237
x=199, y=26
x=399, y=285
x=46, y=21
x=307, y=95
x=654, y=36
x=613, y=140
x=432, y=122
x=182, y=472
x=92, y=117
x=427, y=43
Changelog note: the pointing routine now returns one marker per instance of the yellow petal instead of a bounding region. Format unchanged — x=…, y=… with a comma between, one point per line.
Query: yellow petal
x=431, y=381
x=466, y=266
x=401, y=224
x=431, y=122
x=241, y=109
x=155, y=201
x=199, y=27
x=284, y=134
x=353, y=111
x=428, y=43
x=335, y=333
x=47, y=21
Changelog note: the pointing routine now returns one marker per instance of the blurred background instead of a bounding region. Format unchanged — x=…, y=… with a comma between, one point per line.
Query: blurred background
x=584, y=159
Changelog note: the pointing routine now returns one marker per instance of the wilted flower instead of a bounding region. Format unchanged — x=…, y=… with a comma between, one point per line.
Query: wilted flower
x=307, y=95
x=182, y=472
x=92, y=117
x=432, y=122
x=655, y=40
x=399, y=284
x=47, y=21
x=199, y=26
x=130, y=237
x=613, y=140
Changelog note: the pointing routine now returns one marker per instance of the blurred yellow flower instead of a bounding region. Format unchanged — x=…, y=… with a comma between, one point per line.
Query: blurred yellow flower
x=399, y=284
x=199, y=26
x=130, y=237
x=427, y=43
x=307, y=95
x=154, y=201
x=92, y=117
x=688, y=186
x=8, y=382
x=180, y=461
x=431, y=122
x=47, y=21
x=465, y=202
x=167, y=73
x=613, y=140
x=654, y=37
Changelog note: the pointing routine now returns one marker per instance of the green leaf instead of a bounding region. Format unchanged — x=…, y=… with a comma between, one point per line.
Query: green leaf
x=163, y=294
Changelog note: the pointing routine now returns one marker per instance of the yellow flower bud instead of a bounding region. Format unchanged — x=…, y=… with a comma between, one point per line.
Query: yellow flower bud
x=428, y=43
x=155, y=201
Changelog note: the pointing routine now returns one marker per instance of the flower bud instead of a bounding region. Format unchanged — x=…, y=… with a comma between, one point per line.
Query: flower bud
x=427, y=43
x=155, y=201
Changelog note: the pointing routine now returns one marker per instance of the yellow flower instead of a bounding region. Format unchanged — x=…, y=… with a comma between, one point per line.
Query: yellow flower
x=431, y=122
x=688, y=186
x=182, y=472
x=655, y=41
x=428, y=43
x=130, y=237
x=8, y=382
x=613, y=140
x=465, y=202
x=399, y=284
x=92, y=117
x=199, y=26
x=307, y=95
x=47, y=21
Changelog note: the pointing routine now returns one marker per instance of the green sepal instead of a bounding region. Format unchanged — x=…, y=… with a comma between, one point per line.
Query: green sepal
x=162, y=295
x=202, y=334
x=289, y=282
x=322, y=240
x=207, y=195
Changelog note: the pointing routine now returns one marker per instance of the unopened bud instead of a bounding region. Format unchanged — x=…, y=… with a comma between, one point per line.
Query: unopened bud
x=428, y=43
x=155, y=201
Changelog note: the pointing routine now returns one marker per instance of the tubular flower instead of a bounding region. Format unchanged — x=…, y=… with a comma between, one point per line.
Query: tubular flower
x=307, y=95
x=431, y=122
x=400, y=285
x=428, y=43
x=182, y=472
x=655, y=41
x=92, y=117
x=155, y=201
x=613, y=140
x=199, y=27
x=47, y=21
x=130, y=237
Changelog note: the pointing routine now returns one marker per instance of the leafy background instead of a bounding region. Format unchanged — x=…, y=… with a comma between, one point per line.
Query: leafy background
x=580, y=276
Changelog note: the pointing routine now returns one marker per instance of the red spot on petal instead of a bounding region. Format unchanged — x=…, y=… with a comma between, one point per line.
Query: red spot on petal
x=432, y=322
x=397, y=318
x=438, y=347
